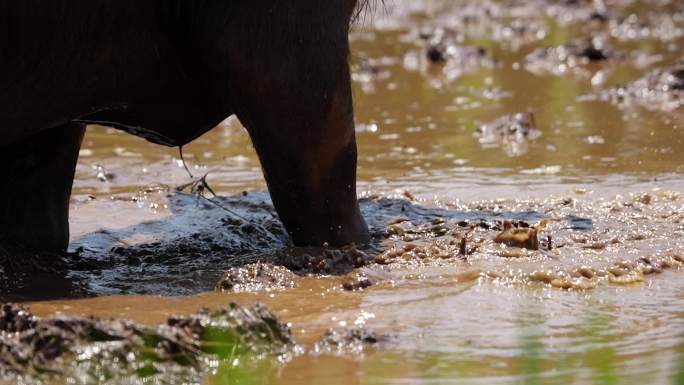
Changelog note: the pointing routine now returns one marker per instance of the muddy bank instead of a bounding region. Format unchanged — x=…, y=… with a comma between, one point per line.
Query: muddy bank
x=84, y=350
x=89, y=350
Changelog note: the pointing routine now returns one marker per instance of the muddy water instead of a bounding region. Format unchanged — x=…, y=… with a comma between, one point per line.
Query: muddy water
x=442, y=158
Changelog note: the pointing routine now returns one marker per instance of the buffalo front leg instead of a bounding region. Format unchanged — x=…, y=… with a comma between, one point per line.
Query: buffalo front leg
x=34, y=194
x=290, y=86
x=313, y=188
x=309, y=162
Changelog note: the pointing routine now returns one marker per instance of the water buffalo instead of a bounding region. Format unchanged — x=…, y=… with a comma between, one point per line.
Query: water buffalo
x=169, y=71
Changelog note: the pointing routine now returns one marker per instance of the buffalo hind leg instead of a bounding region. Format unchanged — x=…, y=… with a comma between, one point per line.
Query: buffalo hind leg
x=37, y=176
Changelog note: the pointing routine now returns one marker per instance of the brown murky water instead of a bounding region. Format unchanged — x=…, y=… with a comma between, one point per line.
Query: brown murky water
x=608, y=169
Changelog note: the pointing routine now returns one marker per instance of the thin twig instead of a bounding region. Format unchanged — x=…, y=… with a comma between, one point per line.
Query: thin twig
x=185, y=165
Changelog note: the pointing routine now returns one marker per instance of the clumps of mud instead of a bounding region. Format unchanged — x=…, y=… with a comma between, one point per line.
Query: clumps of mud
x=442, y=46
x=404, y=228
x=564, y=243
x=263, y=276
x=516, y=240
x=355, y=281
x=256, y=277
x=625, y=272
x=323, y=260
x=451, y=38
x=661, y=89
x=662, y=26
x=95, y=349
x=513, y=25
x=14, y=319
x=524, y=237
x=579, y=11
x=349, y=340
x=184, y=254
x=511, y=133
x=624, y=20
x=441, y=249
x=370, y=70
x=443, y=53
x=241, y=236
x=491, y=237
x=573, y=56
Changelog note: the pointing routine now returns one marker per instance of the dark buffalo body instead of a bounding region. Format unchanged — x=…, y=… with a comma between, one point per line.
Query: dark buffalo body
x=169, y=71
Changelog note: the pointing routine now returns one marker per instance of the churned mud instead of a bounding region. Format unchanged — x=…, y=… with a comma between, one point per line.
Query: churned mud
x=640, y=233
x=510, y=132
x=564, y=243
x=93, y=350
x=256, y=277
x=442, y=51
x=660, y=89
x=350, y=340
x=577, y=56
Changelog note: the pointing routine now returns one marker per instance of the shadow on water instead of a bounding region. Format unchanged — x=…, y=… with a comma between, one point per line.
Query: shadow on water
x=188, y=251
x=40, y=284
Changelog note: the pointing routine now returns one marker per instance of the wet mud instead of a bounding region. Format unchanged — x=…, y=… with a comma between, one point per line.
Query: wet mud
x=576, y=245
x=577, y=56
x=660, y=89
x=510, y=132
x=214, y=251
x=256, y=277
x=93, y=350
x=348, y=341
x=442, y=49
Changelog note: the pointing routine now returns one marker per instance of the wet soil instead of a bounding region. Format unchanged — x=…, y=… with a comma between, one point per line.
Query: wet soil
x=93, y=350
x=660, y=89
x=510, y=132
x=256, y=277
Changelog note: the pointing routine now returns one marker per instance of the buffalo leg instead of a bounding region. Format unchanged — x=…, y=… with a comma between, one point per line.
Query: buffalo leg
x=309, y=162
x=34, y=193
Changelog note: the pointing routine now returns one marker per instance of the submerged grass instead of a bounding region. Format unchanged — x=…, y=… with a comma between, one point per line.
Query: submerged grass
x=679, y=376
x=532, y=350
x=598, y=364
x=593, y=357
x=536, y=364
